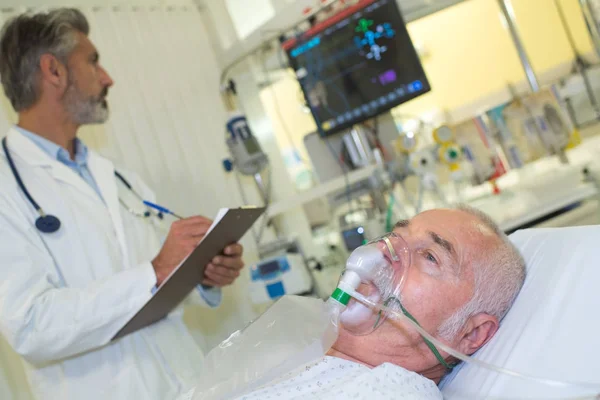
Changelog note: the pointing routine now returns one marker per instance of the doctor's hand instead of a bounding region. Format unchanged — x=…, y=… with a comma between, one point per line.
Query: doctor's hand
x=183, y=237
x=224, y=269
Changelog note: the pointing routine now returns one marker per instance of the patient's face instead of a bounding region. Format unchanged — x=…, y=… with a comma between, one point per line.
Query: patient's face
x=444, y=244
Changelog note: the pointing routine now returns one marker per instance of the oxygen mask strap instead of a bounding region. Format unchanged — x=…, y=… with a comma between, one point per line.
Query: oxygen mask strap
x=431, y=346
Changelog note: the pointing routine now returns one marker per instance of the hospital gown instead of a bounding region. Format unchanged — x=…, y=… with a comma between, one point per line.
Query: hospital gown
x=333, y=378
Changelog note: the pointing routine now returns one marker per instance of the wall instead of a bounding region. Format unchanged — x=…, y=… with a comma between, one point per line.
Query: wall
x=472, y=58
x=470, y=54
x=542, y=32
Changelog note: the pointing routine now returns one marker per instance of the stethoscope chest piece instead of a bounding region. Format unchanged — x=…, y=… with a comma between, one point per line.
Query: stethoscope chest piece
x=47, y=224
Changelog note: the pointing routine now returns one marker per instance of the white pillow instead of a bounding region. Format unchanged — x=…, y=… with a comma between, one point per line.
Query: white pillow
x=553, y=328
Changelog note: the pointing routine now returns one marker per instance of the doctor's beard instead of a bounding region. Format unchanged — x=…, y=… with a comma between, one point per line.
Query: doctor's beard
x=86, y=109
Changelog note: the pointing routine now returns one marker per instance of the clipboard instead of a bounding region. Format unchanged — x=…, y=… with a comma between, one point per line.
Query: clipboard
x=227, y=230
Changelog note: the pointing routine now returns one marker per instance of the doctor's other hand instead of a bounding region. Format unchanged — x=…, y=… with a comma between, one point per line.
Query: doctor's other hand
x=183, y=237
x=224, y=269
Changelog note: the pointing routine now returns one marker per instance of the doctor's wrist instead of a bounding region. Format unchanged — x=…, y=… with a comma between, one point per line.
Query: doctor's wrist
x=160, y=270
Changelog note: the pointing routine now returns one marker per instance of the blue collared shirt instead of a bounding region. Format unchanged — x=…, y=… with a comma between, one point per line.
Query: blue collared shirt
x=60, y=154
x=212, y=296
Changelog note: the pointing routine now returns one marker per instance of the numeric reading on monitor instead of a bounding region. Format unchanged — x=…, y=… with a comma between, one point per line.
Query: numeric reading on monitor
x=356, y=65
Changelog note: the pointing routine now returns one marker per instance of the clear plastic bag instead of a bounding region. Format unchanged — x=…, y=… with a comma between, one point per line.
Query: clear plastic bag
x=292, y=332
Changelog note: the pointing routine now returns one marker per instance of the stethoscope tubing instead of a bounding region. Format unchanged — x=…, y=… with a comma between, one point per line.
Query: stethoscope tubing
x=49, y=223
x=17, y=176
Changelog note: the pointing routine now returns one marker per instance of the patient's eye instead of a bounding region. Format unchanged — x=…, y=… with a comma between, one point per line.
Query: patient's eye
x=430, y=257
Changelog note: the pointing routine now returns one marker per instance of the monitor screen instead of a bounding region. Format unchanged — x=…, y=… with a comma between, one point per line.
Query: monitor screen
x=356, y=65
x=354, y=238
x=269, y=268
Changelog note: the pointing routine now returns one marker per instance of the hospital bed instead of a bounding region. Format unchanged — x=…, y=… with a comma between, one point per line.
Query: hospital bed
x=550, y=333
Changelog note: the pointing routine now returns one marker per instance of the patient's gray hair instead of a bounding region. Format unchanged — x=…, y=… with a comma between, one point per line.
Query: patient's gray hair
x=499, y=276
x=24, y=39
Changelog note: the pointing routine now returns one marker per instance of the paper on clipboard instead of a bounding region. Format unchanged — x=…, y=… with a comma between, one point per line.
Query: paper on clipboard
x=220, y=214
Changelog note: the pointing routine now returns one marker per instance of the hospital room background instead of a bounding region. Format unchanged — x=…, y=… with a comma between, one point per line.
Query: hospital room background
x=482, y=135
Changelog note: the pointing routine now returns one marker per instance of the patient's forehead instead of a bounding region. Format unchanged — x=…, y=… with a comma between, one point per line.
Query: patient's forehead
x=465, y=231
x=455, y=222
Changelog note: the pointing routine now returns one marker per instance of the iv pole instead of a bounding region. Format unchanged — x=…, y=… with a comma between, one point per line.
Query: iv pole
x=509, y=16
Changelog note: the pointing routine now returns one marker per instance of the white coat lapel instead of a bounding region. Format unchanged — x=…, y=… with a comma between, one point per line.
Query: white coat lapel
x=104, y=173
x=34, y=156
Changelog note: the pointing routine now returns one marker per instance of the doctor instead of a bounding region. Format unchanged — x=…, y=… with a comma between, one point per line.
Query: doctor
x=80, y=253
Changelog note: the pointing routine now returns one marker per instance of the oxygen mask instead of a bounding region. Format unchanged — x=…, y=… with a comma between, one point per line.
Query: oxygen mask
x=376, y=270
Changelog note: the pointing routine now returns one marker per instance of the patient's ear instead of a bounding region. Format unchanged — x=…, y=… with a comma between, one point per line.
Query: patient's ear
x=478, y=330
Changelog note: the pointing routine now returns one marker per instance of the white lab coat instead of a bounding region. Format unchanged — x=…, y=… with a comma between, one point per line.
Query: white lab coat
x=64, y=295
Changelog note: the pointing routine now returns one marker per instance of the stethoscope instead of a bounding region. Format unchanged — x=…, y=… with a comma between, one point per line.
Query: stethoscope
x=48, y=223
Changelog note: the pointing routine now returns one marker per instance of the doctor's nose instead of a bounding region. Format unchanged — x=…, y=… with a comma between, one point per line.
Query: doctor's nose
x=106, y=79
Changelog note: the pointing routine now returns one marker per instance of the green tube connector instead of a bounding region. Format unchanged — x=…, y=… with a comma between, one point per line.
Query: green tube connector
x=340, y=296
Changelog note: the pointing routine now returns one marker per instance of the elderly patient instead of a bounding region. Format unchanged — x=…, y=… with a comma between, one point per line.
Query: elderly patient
x=465, y=274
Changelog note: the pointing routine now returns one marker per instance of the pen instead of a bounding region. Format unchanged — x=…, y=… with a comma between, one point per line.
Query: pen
x=161, y=209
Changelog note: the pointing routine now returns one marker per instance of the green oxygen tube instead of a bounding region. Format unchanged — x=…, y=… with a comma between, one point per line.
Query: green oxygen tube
x=390, y=211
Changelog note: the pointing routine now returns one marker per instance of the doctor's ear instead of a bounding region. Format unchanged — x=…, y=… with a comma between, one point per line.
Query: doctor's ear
x=53, y=71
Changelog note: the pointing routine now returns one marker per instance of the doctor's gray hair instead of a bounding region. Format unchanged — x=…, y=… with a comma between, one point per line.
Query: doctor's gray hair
x=24, y=39
x=499, y=275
